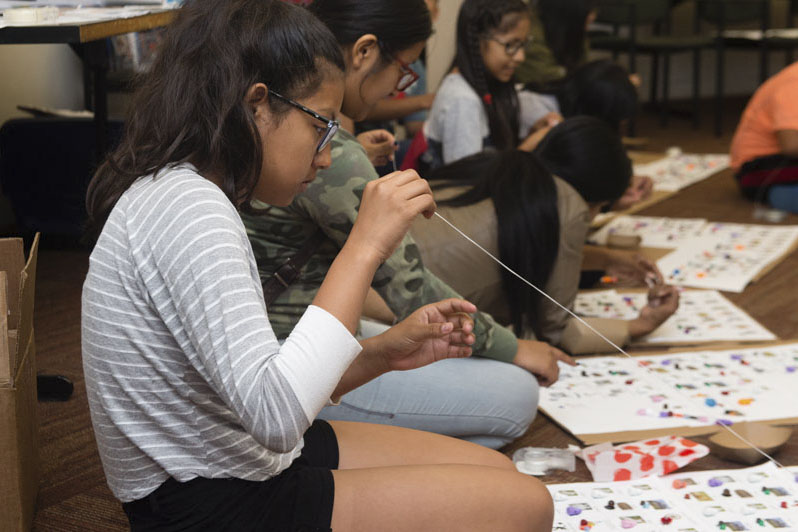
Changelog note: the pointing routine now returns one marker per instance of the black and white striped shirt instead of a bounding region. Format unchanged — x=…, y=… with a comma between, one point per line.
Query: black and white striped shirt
x=184, y=375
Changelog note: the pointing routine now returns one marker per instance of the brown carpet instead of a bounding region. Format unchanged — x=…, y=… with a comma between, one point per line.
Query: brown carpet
x=74, y=496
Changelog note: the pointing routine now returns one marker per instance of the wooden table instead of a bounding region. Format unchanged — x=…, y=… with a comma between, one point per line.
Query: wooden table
x=772, y=300
x=87, y=38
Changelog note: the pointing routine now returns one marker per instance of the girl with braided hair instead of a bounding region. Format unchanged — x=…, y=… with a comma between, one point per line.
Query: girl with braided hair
x=477, y=106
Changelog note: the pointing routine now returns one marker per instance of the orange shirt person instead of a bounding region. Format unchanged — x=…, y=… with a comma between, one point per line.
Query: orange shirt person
x=764, y=150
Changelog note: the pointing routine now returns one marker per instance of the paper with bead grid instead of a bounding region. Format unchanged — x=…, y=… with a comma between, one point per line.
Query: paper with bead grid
x=727, y=256
x=676, y=172
x=654, y=231
x=703, y=316
x=757, y=498
x=617, y=394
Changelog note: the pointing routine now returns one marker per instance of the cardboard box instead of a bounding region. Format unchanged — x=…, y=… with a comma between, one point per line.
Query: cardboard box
x=19, y=424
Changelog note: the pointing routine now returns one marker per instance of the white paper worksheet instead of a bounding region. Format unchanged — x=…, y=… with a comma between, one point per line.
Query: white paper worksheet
x=757, y=498
x=676, y=172
x=654, y=231
x=727, y=256
x=703, y=316
x=691, y=389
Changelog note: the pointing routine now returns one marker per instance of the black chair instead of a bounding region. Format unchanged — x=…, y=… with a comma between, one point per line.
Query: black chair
x=661, y=44
x=721, y=14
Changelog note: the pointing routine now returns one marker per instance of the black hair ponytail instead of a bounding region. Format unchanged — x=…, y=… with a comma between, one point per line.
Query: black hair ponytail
x=525, y=199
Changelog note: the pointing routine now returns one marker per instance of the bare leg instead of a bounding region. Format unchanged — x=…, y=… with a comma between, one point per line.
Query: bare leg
x=364, y=445
x=394, y=480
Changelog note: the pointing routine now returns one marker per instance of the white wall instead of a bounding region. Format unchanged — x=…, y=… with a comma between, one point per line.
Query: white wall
x=46, y=75
x=440, y=50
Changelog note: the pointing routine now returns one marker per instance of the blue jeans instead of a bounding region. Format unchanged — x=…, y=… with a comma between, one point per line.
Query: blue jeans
x=784, y=197
x=476, y=399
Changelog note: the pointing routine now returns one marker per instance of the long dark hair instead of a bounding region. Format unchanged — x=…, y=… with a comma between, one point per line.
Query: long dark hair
x=525, y=199
x=564, y=27
x=398, y=24
x=588, y=154
x=478, y=20
x=190, y=107
x=601, y=89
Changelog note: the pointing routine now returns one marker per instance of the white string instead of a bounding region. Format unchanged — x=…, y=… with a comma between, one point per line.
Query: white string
x=586, y=324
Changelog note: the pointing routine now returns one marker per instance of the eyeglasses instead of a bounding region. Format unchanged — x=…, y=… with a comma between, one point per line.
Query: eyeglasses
x=511, y=48
x=332, y=125
x=408, y=77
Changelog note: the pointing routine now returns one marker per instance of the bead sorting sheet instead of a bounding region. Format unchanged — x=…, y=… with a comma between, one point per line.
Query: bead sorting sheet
x=682, y=170
x=703, y=316
x=758, y=498
x=655, y=232
x=607, y=395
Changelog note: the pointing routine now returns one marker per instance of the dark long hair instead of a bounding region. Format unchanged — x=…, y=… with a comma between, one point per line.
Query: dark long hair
x=564, y=27
x=398, y=24
x=588, y=154
x=190, y=107
x=525, y=199
x=601, y=89
x=479, y=19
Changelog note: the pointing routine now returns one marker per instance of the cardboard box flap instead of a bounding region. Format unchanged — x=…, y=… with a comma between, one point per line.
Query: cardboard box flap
x=27, y=291
x=7, y=354
x=12, y=261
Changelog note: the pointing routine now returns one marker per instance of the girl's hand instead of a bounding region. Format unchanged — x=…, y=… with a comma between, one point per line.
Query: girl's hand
x=632, y=269
x=379, y=144
x=663, y=301
x=432, y=333
x=539, y=131
x=540, y=359
x=387, y=209
x=639, y=189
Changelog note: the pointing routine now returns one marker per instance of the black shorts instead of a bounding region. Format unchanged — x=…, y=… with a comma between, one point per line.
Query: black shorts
x=757, y=176
x=298, y=499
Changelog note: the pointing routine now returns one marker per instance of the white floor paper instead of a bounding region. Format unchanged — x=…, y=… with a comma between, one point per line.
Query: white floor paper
x=693, y=389
x=758, y=498
x=703, y=316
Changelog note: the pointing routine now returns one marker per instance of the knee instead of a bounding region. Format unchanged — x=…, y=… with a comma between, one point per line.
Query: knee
x=540, y=515
x=522, y=393
x=491, y=458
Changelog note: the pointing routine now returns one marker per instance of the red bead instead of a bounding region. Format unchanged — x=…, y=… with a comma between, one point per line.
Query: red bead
x=784, y=504
x=583, y=522
x=666, y=520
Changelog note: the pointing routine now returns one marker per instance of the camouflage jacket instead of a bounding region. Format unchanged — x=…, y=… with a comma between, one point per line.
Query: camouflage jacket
x=331, y=203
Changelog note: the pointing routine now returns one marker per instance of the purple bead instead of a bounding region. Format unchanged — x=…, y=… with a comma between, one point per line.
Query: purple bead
x=790, y=369
x=573, y=510
x=714, y=483
x=737, y=357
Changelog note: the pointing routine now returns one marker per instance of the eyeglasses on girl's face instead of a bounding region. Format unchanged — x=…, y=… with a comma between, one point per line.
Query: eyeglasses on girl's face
x=408, y=77
x=326, y=133
x=511, y=47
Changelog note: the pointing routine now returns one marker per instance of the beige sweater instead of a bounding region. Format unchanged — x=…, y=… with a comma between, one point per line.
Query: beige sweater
x=474, y=275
